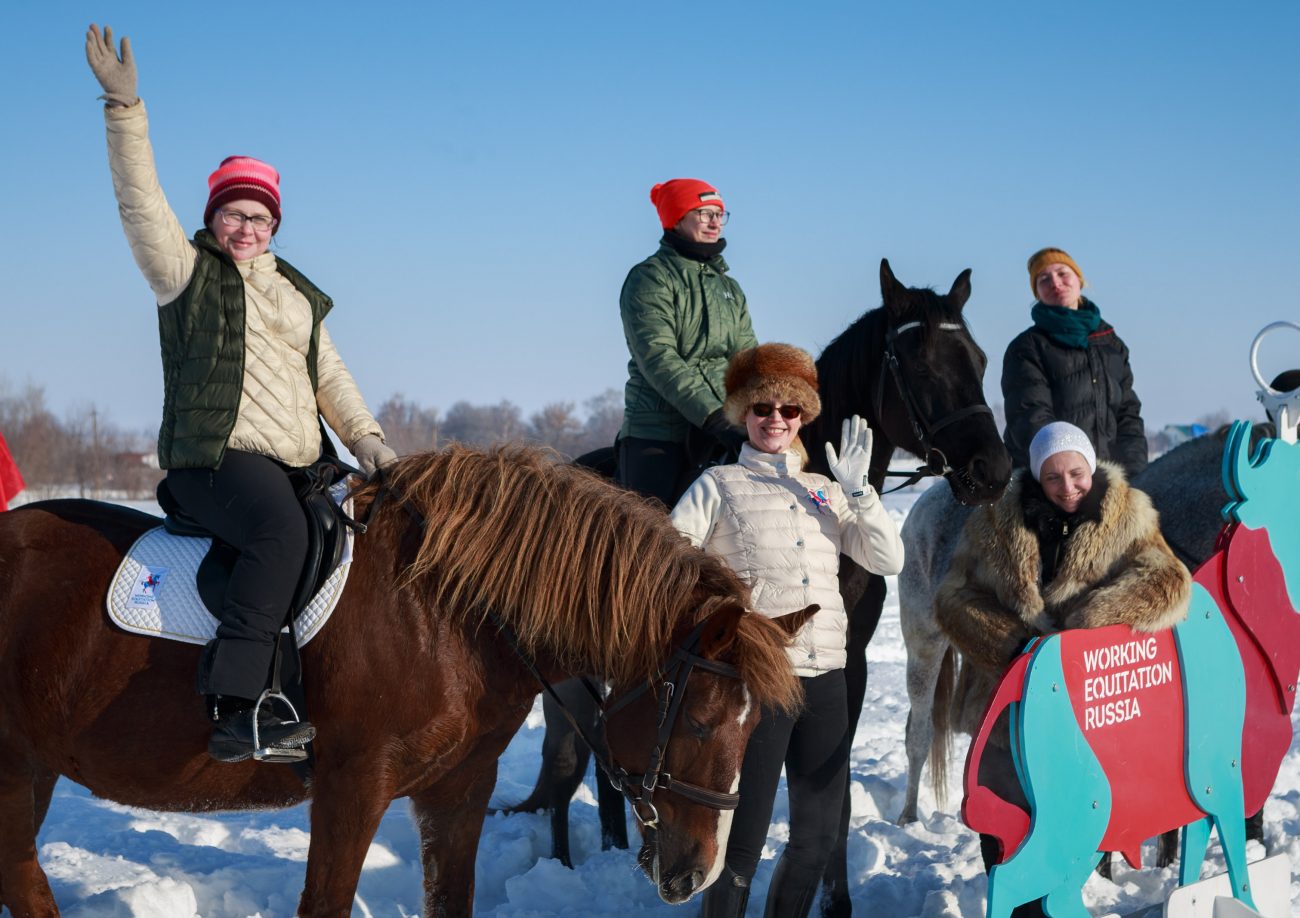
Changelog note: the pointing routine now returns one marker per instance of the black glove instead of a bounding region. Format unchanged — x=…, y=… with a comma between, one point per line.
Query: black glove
x=732, y=438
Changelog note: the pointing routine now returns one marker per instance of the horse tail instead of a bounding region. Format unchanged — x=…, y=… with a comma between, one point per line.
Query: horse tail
x=941, y=718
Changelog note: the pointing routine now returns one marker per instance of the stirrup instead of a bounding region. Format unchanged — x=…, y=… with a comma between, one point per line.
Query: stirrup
x=276, y=754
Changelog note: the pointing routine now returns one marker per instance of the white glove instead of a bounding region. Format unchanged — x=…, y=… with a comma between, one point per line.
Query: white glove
x=372, y=454
x=850, y=467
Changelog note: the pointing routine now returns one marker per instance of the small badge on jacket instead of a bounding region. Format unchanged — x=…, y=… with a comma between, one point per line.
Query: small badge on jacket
x=818, y=498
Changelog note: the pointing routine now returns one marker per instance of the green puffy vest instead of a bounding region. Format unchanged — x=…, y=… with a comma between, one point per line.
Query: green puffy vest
x=202, y=335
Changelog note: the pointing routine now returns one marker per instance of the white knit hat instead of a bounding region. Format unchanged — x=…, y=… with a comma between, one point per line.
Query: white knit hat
x=1059, y=437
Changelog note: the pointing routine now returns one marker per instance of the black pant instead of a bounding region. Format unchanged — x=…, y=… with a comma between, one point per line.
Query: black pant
x=814, y=748
x=655, y=468
x=248, y=503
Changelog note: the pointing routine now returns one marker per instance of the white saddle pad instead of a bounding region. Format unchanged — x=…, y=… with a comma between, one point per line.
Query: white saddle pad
x=154, y=593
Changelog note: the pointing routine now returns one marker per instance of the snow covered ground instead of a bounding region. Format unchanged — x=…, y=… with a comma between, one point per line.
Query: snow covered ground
x=106, y=860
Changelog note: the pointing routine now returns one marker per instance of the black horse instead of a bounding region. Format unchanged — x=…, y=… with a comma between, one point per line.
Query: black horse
x=913, y=371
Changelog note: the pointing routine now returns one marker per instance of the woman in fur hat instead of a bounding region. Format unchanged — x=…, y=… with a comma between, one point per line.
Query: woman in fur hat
x=247, y=366
x=783, y=529
x=1070, y=365
x=1068, y=545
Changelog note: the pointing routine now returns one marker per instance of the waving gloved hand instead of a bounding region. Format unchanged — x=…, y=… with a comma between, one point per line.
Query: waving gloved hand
x=372, y=454
x=116, y=74
x=851, y=466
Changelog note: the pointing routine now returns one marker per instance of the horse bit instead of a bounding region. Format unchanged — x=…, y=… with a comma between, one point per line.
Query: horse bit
x=936, y=463
x=639, y=789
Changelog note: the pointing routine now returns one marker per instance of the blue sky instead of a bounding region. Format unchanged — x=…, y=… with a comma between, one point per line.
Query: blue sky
x=470, y=181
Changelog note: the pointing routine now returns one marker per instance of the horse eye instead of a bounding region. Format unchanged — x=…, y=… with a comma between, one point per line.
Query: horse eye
x=697, y=729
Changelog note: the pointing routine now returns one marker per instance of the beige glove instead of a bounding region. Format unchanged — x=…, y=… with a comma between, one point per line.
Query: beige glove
x=372, y=454
x=116, y=74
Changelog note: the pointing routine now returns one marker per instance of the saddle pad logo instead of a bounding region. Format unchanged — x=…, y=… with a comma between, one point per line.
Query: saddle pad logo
x=818, y=497
x=148, y=583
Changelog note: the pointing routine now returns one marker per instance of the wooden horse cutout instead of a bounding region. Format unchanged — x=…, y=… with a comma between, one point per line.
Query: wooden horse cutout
x=1118, y=736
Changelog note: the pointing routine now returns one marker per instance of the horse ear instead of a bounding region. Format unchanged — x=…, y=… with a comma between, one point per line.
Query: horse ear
x=791, y=622
x=892, y=292
x=719, y=631
x=960, y=291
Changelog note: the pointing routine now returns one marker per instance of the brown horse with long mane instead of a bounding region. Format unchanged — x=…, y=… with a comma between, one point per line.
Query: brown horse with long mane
x=413, y=685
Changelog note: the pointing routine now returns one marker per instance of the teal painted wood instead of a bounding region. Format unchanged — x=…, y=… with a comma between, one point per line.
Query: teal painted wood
x=1068, y=793
x=1214, y=695
x=1265, y=489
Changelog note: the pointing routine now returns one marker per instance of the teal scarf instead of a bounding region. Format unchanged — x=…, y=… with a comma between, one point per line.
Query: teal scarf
x=1067, y=327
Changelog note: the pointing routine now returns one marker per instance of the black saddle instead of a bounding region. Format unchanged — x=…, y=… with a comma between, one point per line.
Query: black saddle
x=326, y=532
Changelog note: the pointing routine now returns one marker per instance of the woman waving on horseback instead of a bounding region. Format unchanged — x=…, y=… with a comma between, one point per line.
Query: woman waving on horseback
x=247, y=367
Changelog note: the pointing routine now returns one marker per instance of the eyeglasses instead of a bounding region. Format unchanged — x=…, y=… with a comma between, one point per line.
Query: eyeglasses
x=708, y=216
x=765, y=409
x=261, y=222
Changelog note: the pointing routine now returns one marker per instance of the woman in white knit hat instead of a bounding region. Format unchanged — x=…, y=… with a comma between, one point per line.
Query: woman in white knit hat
x=783, y=529
x=1068, y=545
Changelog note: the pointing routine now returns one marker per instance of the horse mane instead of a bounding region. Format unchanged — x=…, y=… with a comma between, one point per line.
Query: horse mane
x=589, y=573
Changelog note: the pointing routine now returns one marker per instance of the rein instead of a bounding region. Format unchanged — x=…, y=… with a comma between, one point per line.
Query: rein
x=639, y=789
x=936, y=463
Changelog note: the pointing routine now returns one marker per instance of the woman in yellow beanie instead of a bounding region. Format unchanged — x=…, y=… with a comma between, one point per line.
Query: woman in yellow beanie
x=1070, y=365
x=783, y=529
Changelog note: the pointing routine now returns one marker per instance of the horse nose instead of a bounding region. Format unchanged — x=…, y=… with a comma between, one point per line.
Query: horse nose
x=683, y=886
x=991, y=473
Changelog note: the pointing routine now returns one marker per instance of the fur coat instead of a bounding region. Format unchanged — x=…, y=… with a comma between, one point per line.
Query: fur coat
x=1115, y=569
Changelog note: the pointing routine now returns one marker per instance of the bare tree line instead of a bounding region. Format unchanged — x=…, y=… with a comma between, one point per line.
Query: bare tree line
x=84, y=453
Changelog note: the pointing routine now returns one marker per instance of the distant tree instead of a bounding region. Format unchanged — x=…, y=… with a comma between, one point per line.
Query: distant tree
x=408, y=427
x=485, y=425
x=604, y=418
x=556, y=427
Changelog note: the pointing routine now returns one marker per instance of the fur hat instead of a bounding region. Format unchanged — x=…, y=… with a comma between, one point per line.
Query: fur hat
x=677, y=197
x=771, y=373
x=1050, y=256
x=243, y=178
x=1059, y=437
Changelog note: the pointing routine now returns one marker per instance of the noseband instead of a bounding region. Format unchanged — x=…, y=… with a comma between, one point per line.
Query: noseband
x=936, y=463
x=639, y=789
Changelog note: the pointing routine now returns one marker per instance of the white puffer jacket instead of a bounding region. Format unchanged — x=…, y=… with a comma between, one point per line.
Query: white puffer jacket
x=277, y=411
x=783, y=529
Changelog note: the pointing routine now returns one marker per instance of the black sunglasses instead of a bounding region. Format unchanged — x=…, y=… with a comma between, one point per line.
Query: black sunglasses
x=765, y=409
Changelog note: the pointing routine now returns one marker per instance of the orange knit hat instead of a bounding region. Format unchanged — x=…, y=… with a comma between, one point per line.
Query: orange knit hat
x=1050, y=256
x=677, y=197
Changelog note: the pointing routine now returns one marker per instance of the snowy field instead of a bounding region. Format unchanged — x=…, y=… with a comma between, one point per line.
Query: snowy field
x=107, y=860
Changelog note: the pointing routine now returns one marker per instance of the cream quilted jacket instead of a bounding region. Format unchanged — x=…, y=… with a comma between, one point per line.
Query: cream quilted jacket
x=277, y=412
x=783, y=529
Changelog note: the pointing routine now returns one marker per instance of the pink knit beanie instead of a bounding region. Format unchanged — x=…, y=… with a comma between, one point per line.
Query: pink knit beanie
x=243, y=178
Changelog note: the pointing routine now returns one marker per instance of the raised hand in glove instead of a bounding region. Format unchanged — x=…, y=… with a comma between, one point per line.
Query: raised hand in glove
x=372, y=454
x=116, y=74
x=851, y=466
x=717, y=426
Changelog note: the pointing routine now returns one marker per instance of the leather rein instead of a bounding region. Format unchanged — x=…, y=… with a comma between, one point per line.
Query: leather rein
x=936, y=463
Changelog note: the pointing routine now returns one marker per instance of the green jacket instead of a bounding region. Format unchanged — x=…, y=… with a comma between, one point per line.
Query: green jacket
x=683, y=320
x=202, y=335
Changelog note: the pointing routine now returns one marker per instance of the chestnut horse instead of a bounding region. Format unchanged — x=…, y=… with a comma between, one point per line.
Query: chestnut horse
x=415, y=685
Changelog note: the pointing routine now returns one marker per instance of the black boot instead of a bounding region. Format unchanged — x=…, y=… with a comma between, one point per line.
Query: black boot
x=792, y=891
x=232, y=732
x=726, y=898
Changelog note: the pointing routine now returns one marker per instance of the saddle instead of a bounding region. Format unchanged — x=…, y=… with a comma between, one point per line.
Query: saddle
x=326, y=529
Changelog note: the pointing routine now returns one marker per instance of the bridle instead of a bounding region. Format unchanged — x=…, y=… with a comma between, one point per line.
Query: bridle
x=639, y=789
x=936, y=463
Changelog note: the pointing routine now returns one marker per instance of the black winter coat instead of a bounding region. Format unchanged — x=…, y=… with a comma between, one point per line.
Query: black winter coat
x=1092, y=388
